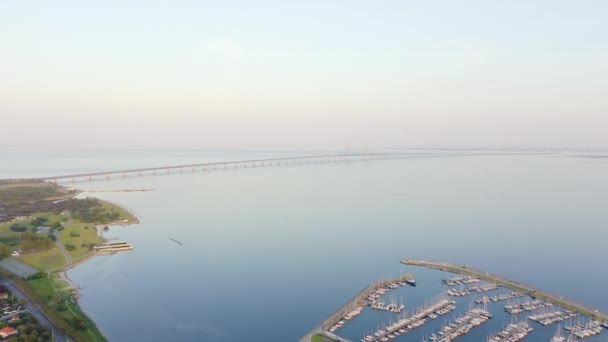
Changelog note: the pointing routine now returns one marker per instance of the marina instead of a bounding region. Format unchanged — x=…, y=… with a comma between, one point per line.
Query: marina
x=512, y=333
x=453, y=281
x=517, y=286
x=527, y=306
x=549, y=318
x=405, y=323
x=390, y=311
x=583, y=330
x=469, y=290
x=462, y=325
x=498, y=298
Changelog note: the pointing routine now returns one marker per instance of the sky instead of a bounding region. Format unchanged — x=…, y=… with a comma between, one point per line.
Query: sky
x=487, y=74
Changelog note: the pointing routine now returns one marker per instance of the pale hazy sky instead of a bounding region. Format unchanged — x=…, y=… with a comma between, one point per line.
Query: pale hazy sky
x=304, y=73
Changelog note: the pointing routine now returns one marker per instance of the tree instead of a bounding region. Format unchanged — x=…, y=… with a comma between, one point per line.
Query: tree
x=5, y=250
x=18, y=228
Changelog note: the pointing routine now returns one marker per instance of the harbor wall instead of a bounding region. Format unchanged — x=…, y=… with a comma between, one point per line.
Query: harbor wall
x=357, y=300
x=514, y=285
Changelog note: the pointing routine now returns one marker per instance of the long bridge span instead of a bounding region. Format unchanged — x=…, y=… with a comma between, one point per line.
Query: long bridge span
x=223, y=165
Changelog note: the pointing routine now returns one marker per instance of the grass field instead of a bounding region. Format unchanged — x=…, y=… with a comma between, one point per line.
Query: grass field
x=14, y=191
x=51, y=218
x=48, y=260
x=124, y=214
x=80, y=235
x=322, y=338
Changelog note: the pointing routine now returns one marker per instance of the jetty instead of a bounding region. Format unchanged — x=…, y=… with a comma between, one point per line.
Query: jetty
x=463, y=324
x=359, y=300
x=112, y=247
x=533, y=292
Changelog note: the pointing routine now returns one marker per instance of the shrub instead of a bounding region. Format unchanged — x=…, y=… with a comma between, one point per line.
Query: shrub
x=18, y=228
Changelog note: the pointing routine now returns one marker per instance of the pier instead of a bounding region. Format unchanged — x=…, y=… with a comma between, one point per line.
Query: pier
x=464, y=323
x=112, y=247
x=514, y=285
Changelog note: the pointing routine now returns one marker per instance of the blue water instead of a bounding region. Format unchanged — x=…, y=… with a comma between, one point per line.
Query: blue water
x=268, y=253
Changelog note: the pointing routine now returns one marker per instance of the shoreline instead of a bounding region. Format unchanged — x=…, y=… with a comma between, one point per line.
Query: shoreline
x=70, y=242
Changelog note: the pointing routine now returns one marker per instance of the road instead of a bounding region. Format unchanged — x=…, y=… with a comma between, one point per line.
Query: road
x=36, y=311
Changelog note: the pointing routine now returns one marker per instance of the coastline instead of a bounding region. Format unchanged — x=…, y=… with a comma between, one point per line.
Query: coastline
x=56, y=280
x=133, y=219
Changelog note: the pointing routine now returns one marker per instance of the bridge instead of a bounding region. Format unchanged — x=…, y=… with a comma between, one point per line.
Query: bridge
x=224, y=165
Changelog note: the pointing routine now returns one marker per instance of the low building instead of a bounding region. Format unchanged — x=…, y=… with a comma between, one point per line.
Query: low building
x=43, y=230
x=8, y=332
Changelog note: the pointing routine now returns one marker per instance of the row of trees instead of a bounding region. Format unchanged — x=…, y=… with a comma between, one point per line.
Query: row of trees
x=31, y=242
x=13, y=210
x=35, y=223
x=5, y=250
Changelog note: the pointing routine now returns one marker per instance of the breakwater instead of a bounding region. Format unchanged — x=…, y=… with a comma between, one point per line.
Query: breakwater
x=357, y=301
x=514, y=285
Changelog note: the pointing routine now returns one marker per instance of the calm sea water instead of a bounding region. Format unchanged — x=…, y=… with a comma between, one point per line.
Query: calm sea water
x=268, y=253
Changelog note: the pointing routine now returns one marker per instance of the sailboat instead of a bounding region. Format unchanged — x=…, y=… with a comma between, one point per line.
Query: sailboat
x=558, y=335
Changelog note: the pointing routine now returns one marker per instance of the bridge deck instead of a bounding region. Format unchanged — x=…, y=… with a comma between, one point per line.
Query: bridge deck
x=216, y=164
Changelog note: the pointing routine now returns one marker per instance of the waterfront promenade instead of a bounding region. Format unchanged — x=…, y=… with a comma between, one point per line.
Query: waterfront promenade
x=514, y=285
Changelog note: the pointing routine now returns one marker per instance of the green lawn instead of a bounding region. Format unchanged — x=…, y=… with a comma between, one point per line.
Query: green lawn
x=124, y=214
x=80, y=235
x=322, y=338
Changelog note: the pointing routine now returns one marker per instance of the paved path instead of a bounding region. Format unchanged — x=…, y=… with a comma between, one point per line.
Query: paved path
x=66, y=255
x=68, y=258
